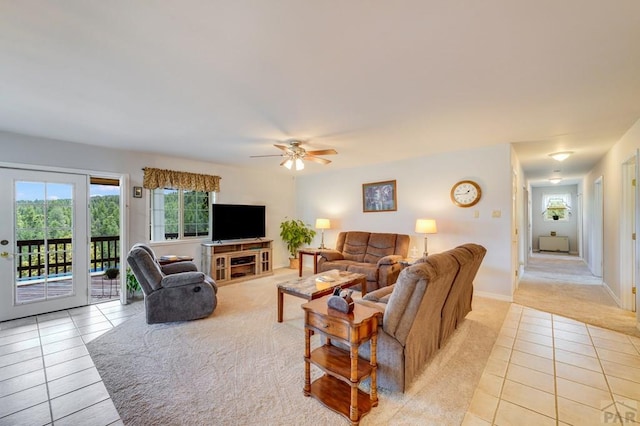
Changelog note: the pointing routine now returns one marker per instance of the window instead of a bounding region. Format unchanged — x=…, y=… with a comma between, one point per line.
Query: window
x=556, y=206
x=179, y=214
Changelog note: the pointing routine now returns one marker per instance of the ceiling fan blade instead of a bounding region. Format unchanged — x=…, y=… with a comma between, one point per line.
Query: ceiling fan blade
x=316, y=159
x=284, y=161
x=323, y=152
x=272, y=155
x=282, y=147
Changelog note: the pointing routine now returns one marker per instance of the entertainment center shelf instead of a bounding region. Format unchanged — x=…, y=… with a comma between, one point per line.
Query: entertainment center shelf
x=237, y=260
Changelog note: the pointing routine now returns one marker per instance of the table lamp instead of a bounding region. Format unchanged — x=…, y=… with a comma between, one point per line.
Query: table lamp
x=323, y=224
x=426, y=226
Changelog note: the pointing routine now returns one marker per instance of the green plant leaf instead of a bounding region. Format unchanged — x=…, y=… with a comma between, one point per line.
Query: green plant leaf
x=295, y=233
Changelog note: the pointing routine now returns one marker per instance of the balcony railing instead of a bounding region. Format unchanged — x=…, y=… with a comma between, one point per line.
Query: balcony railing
x=104, y=253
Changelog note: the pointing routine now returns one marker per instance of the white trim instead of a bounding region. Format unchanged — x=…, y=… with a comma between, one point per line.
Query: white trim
x=67, y=170
x=124, y=208
x=613, y=296
x=124, y=235
x=194, y=240
x=493, y=296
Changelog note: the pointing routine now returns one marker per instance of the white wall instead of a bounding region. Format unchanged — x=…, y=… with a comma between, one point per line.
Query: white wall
x=238, y=185
x=610, y=168
x=541, y=227
x=423, y=191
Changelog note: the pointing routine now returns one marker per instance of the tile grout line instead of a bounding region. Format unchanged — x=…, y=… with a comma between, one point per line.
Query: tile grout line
x=504, y=379
x=606, y=377
x=555, y=370
x=44, y=371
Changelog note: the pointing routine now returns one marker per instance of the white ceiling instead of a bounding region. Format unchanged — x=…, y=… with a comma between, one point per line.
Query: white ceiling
x=376, y=80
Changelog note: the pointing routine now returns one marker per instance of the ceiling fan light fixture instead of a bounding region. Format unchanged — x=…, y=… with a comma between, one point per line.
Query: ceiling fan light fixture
x=561, y=156
x=288, y=163
x=299, y=164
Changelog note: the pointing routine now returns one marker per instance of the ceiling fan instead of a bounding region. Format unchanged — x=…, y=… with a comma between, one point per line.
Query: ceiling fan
x=294, y=154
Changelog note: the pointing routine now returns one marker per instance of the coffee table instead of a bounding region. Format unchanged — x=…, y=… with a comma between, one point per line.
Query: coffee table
x=319, y=285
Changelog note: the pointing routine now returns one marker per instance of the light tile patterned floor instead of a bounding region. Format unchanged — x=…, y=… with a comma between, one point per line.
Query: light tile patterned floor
x=46, y=373
x=546, y=370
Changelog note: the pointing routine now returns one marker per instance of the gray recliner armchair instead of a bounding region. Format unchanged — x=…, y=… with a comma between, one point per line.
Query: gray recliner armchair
x=172, y=295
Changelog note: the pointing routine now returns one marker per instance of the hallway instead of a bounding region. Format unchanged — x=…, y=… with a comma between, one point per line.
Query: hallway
x=563, y=285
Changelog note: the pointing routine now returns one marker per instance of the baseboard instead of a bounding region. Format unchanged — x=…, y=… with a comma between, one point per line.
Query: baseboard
x=493, y=296
x=613, y=296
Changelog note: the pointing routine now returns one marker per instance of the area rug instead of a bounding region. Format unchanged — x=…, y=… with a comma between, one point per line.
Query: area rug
x=241, y=367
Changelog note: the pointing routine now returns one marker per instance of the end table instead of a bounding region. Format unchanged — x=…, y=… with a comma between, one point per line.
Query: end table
x=311, y=252
x=338, y=388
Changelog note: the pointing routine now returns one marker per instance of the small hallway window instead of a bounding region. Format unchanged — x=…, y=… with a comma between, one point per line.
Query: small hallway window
x=556, y=206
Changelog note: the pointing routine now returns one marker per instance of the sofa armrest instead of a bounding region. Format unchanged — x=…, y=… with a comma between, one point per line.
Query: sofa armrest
x=177, y=267
x=380, y=295
x=184, y=278
x=391, y=259
x=331, y=255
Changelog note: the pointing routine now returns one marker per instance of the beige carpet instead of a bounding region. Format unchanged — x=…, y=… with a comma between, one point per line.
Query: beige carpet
x=241, y=367
x=563, y=285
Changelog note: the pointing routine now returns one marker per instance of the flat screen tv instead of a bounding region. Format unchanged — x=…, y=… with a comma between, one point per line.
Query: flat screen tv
x=237, y=221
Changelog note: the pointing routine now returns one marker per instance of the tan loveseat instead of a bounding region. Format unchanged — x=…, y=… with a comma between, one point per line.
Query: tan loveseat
x=420, y=311
x=376, y=255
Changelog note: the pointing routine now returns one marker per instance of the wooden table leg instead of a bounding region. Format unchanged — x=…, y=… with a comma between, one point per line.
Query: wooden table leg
x=363, y=287
x=300, y=264
x=280, y=304
x=307, y=367
x=373, y=394
x=353, y=406
x=315, y=263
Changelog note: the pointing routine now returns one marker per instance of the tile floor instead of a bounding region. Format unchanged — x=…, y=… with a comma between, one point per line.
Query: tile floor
x=46, y=373
x=549, y=370
x=544, y=369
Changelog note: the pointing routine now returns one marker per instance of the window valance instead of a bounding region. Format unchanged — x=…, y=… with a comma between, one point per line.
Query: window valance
x=160, y=178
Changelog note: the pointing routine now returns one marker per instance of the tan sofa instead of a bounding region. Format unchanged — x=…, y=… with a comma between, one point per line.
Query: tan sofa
x=376, y=255
x=420, y=311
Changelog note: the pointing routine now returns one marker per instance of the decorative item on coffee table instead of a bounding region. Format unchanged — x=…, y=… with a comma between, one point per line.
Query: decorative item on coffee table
x=344, y=370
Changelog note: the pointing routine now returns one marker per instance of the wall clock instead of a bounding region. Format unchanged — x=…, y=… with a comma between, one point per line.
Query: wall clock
x=466, y=193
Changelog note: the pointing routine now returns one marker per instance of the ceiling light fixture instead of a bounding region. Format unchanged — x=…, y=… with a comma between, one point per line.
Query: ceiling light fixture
x=561, y=156
x=555, y=180
x=288, y=163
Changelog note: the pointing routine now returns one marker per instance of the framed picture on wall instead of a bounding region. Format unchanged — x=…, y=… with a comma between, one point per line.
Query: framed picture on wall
x=379, y=196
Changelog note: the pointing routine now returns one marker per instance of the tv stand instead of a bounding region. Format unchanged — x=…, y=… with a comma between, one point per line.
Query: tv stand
x=237, y=260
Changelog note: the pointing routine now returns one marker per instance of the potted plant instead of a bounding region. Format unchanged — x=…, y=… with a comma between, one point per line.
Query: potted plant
x=555, y=213
x=132, y=284
x=295, y=233
x=112, y=273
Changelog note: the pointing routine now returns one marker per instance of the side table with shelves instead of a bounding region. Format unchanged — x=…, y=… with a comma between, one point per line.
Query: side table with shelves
x=237, y=260
x=344, y=370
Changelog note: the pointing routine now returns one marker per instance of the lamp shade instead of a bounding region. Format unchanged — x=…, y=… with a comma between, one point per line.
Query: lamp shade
x=323, y=224
x=426, y=226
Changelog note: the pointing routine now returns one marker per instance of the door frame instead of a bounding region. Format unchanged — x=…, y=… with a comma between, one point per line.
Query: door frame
x=628, y=252
x=124, y=208
x=597, y=228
